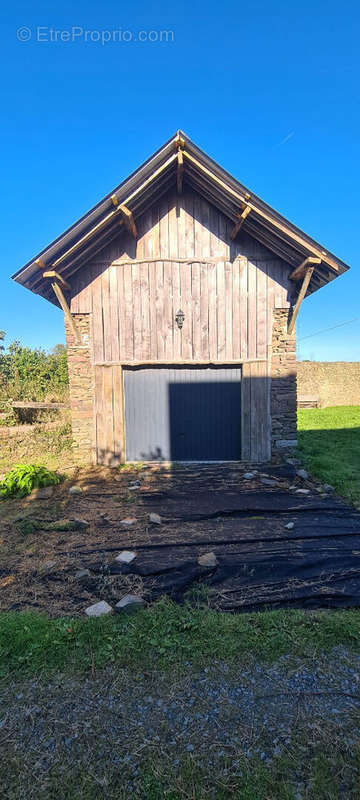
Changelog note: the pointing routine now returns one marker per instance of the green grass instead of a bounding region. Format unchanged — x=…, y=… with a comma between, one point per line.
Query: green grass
x=165, y=636
x=329, y=444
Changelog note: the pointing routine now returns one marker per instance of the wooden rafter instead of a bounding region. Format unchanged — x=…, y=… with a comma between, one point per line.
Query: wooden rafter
x=301, y=270
x=238, y=225
x=129, y=221
x=52, y=274
x=272, y=220
x=114, y=200
x=180, y=170
x=306, y=280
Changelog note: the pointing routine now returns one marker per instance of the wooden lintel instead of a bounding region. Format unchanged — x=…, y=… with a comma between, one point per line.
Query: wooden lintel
x=238, y=225
x=128, y=218
x=52, y=274
x=301, y=295
x=114, y=200
x=300, y=271
x=180, y=171
x=62, y=300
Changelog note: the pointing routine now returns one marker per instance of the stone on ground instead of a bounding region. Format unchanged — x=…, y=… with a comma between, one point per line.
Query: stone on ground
x=130, y=602
x=328, y=488
x=269, y=482
x=302, y=491
x=134, y=485
x=82, y=573
x=75, y=490
x=126, y=557
x=290, y=526
x=128, y=522
x=155, y=518
x=208, y=560
x=248, y=475
x=98, y=609
x=302, y=473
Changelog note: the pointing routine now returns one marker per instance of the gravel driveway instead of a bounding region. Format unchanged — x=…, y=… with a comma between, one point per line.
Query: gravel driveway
x=221, y=718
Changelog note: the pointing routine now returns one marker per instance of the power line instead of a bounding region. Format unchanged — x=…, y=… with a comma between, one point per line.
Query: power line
x=325, y=330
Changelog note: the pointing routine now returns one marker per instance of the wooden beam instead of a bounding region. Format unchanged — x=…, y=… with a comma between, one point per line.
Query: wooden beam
x=300, y=271
x=180, y=171
x=62, y=300
x=301, y=295
x=238, y=225
x=128, y=218
x=264, y=214
x=114, y=200
x=52, y=274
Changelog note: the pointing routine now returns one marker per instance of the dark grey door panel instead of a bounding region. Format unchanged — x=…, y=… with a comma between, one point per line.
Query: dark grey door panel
x=182, y=413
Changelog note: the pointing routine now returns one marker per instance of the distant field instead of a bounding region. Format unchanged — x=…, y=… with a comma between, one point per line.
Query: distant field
x=329, y=443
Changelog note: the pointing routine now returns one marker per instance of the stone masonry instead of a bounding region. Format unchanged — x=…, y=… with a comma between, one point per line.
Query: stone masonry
x=81, y=380
x=283, y=383
x=331, y=383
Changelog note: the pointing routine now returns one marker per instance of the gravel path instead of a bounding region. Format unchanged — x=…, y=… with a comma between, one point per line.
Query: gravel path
x=219, y=716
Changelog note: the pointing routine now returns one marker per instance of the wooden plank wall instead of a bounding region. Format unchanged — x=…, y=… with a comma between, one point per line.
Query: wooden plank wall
x=109, y=434
x=227, y=305
x=255, y=412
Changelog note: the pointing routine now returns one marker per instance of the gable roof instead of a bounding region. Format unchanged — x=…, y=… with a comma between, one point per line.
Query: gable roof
x=100, y=225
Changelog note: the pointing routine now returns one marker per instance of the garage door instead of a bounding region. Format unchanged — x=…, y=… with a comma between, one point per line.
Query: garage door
x=182, y=414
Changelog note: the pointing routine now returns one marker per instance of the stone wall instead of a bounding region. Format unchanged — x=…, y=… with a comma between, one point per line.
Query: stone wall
x=283, y=383
x=334, y=383
x=81, y=380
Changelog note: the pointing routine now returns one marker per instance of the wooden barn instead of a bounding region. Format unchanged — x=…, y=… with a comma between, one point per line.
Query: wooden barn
x=180, y=291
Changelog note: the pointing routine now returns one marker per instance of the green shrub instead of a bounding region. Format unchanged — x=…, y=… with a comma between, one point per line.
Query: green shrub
x=23, y=478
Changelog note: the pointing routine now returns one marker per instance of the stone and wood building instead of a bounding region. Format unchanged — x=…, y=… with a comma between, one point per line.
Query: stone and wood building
x=180, y=291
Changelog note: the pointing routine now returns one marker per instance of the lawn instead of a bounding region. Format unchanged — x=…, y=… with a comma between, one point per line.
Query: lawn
x=329, y=445
x=156, y=705
x=143, y=705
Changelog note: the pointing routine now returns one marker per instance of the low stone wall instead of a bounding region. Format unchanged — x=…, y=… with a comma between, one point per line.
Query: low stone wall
x=283, y=383
x=335, y=383
x=81, y=382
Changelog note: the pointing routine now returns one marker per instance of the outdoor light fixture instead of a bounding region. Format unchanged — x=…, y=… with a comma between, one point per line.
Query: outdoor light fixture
x=180, y=316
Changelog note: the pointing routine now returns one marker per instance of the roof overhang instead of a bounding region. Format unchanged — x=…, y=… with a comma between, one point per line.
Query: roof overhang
x=177, y=163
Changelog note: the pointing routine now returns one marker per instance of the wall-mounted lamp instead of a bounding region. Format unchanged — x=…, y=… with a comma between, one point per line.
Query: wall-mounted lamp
x=180, y=316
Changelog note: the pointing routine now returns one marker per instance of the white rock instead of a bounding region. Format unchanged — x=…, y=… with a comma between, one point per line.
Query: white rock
x=126, y=557
x=82, y=573
x=128, y=522
x=302, y=473
x=75, y=490
x=208, y=560
x=98, y=609
x=289, y=526
x=130, y=602
x=248, y=475
x=155, y=519
x=302, y=491
x=135, y=485
x=328, y=488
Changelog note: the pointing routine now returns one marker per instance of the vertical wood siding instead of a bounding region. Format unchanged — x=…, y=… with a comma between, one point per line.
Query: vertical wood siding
x=227, y=305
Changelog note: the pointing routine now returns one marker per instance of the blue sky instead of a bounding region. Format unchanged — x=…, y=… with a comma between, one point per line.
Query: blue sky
x=270, y=90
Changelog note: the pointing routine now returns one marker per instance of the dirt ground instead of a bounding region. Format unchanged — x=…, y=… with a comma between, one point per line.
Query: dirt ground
x=261, y=562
